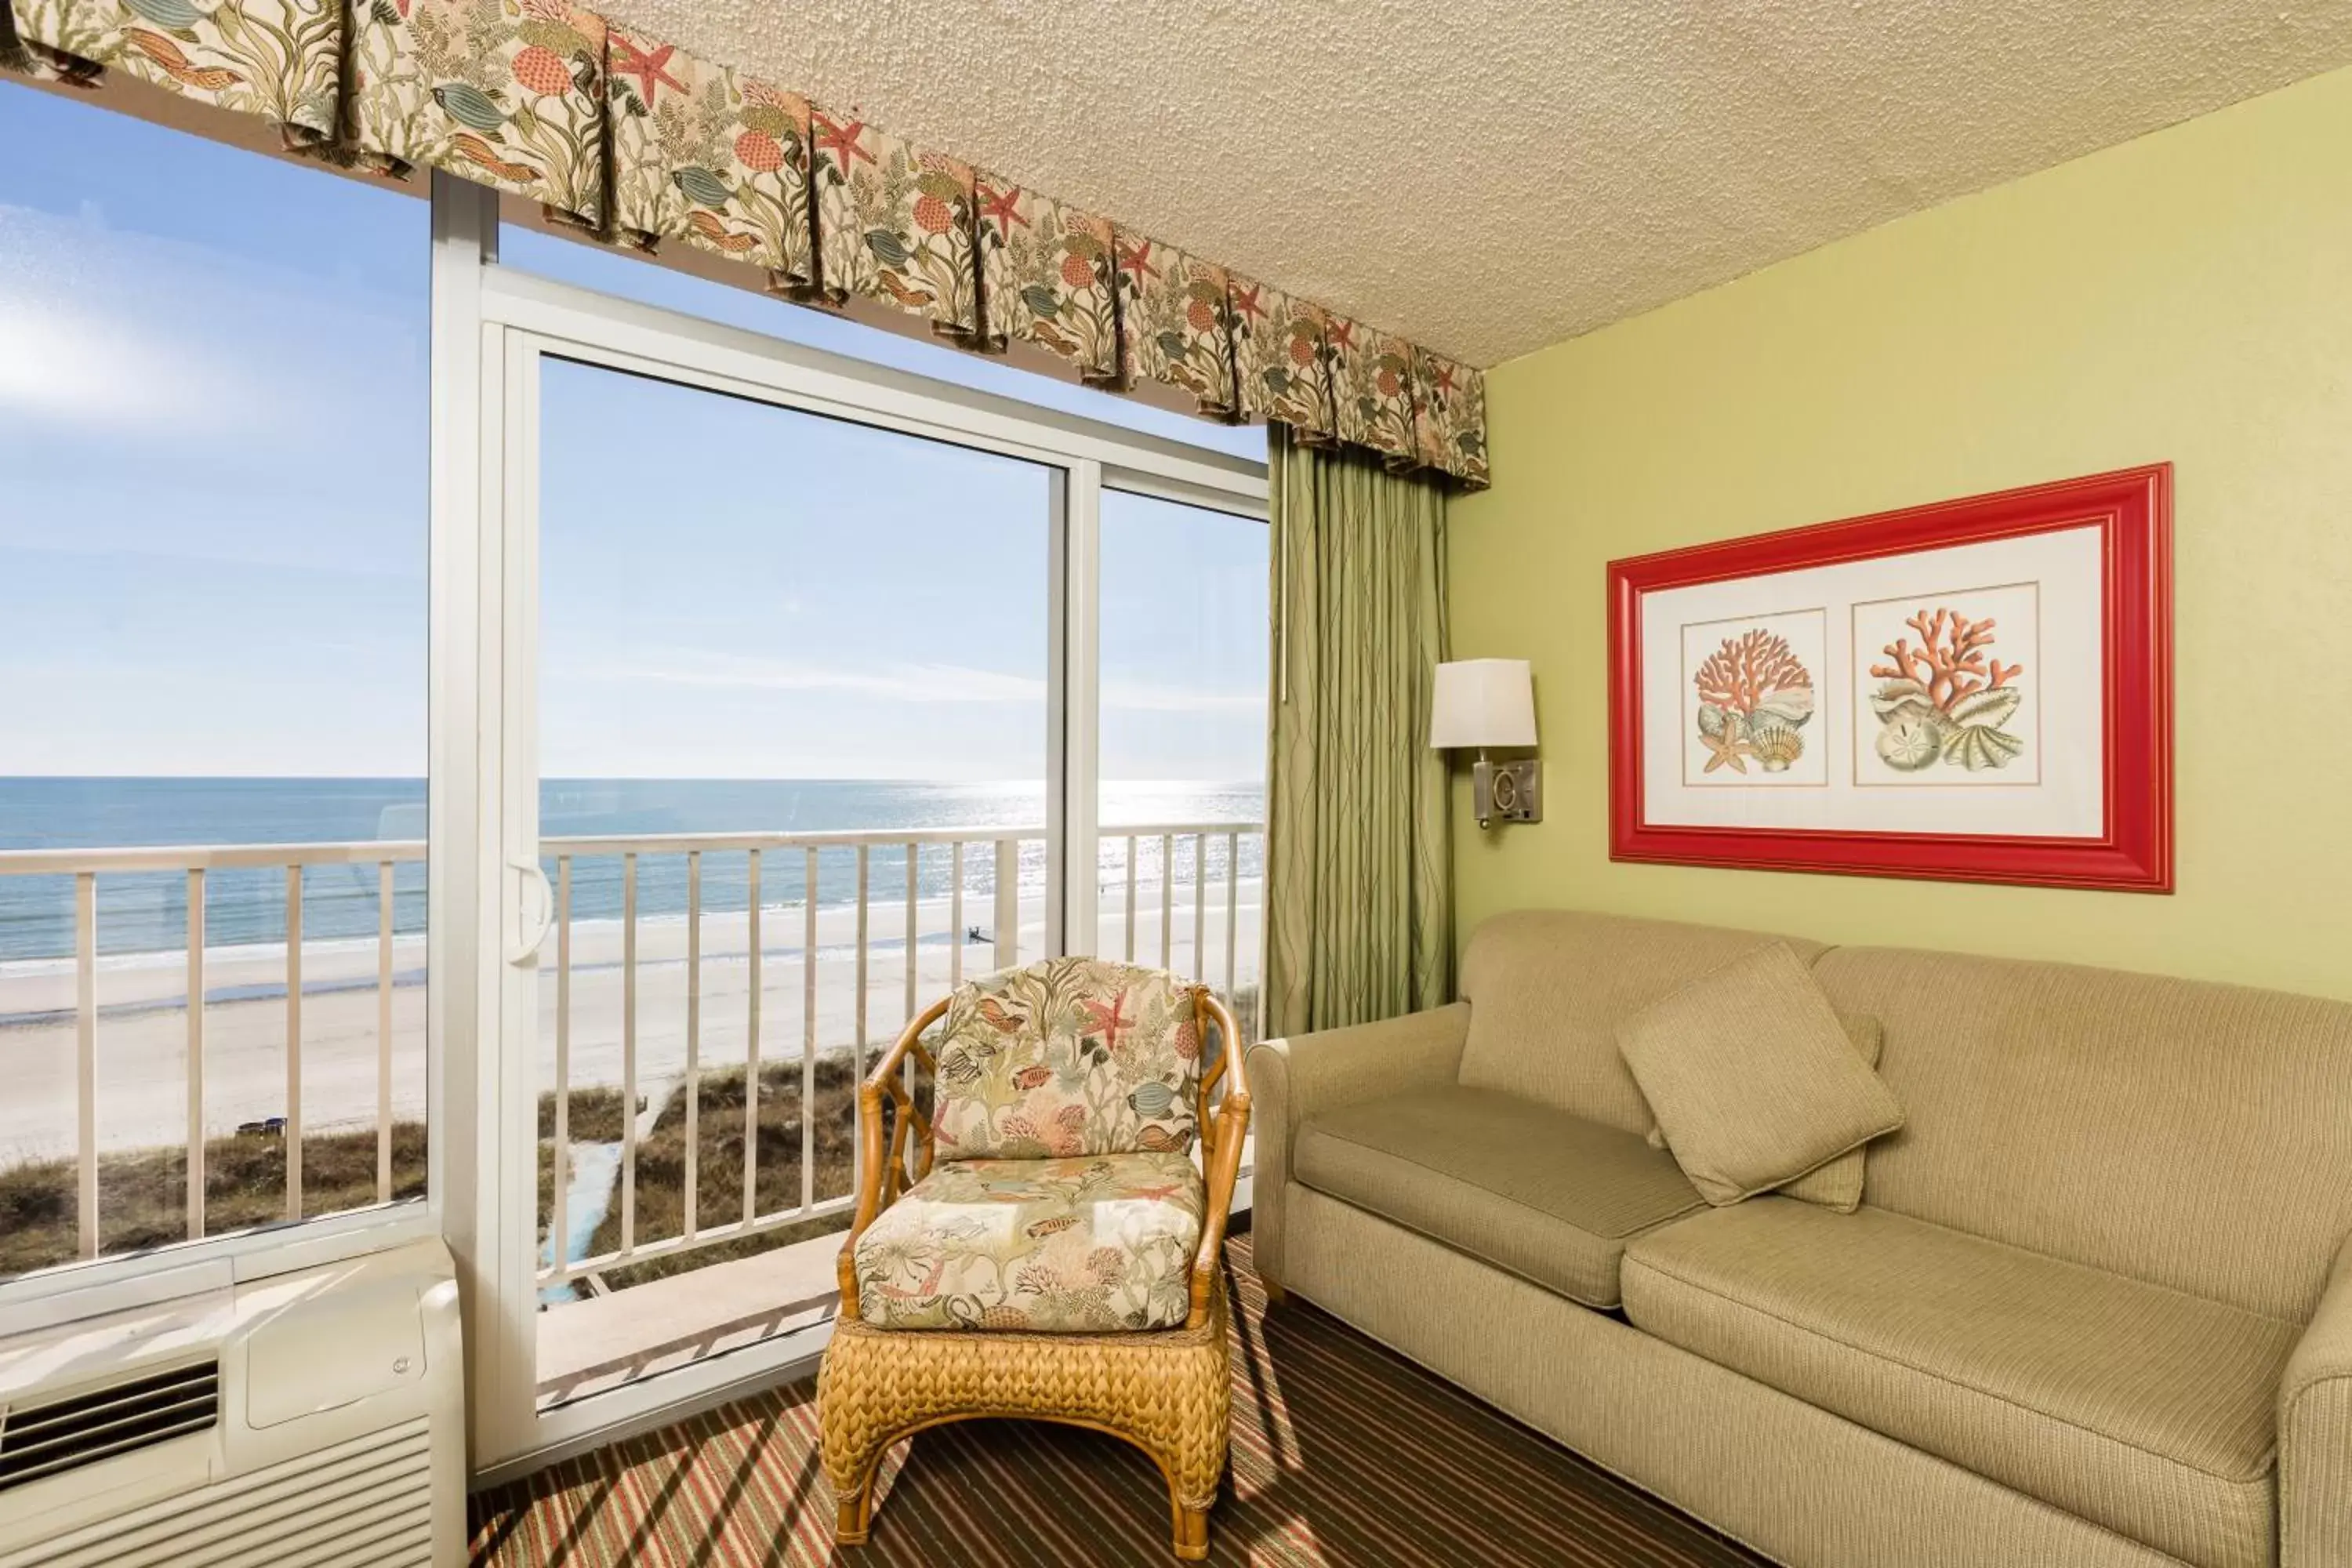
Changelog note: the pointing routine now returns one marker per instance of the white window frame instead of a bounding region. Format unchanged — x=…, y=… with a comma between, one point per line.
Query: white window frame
x=491, y=327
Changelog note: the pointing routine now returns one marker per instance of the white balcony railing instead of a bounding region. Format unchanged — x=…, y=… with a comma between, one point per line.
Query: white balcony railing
x=767, y=877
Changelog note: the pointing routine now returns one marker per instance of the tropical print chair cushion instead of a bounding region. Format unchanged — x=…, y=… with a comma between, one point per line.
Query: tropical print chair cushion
x=1072, y=1056
x=1069, y=1246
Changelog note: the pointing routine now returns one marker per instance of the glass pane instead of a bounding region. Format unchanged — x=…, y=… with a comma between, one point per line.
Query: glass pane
x=213, y=418
x=1184, y=650
x=809, y=637
x=651, y=282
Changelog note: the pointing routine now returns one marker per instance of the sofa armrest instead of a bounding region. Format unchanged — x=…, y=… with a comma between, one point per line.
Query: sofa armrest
x=2314, y=1432
x=1293, y=1080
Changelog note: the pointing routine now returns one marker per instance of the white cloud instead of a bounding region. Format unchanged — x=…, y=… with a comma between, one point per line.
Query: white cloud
x=1152, y=698
x=895, y=683
x=69, y=363
x=914, y=682
x=166, y=338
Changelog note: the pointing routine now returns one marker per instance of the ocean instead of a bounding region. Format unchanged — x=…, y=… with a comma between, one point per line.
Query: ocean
x=147, y=912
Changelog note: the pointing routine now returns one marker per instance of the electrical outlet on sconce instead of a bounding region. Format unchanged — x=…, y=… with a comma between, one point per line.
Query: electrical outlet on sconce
x=1488, y=704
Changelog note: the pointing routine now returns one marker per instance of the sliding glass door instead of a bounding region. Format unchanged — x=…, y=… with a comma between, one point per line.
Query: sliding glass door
x=794, y=718
x=791, y=707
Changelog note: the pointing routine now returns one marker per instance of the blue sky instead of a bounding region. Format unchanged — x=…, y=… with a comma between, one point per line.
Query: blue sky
x=213, y=418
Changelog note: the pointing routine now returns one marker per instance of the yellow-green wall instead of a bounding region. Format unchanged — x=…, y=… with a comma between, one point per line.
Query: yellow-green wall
x=2187, y=296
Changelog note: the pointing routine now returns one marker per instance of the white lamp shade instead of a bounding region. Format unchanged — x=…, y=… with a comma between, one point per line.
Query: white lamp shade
x=1483, y=702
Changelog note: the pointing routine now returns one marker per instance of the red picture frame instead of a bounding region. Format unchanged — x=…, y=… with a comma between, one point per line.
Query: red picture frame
x=2133, y=510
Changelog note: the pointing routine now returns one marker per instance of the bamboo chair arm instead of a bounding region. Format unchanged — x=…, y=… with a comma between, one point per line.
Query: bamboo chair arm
x=1221, y=1138
x=882, y=1173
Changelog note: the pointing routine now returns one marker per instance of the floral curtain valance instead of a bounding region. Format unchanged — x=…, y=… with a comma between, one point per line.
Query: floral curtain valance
x=630, y=139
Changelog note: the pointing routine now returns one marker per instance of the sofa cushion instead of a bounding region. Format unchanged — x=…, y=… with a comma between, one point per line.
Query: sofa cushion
x=1752, y=1076
x=1548, y=1196
x=1547, y=988
x=2142, y=1409
x=1073, y=1246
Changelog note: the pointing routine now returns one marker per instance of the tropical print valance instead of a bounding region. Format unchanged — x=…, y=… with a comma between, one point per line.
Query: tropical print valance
x=631, y=139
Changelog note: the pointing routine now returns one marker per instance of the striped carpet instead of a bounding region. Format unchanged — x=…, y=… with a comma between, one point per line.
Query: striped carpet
x=1343, y=1453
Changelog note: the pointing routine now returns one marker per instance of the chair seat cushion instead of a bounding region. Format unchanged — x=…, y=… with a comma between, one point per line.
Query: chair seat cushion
x=2139, y=1407
x=1083, y=1246
x=1550, y=1196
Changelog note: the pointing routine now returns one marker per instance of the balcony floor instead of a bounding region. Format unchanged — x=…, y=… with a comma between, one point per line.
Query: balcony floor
x=589, y=1346
x=1326, y=1426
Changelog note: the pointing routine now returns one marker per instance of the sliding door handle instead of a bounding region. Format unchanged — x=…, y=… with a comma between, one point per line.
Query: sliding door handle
x=530, y=930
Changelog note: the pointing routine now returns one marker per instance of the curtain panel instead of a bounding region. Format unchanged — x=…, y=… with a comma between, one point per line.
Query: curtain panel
x=629, y=138
x=1359, y=879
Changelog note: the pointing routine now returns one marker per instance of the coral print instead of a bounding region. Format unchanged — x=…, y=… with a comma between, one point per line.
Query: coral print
x=1177, y=321
x=1755, y=696
x=1948, y=699
x=895, y=224
x=1372, y=388
x=703, y=154
x=276, y=58
x=1095, y=1245
x=510, y=94
x=1450, y=416
x=1278, y=353
x=1072, y=1056
x=1045, y=273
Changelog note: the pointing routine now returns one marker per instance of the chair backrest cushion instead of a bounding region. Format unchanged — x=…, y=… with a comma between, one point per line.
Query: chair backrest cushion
x=1070, y=1057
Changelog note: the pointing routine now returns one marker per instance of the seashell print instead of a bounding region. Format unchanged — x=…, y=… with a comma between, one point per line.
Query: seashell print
x=1910, y=743
x=1775, y=744
x=1792, y=705
x=1152, y=1100
x=1978, y=746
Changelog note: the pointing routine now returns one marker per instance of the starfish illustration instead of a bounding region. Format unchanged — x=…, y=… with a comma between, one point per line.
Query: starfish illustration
x=841, y=140
x=1107, y=1020
x=1443, y=376
x=1003, y=207
x=648, y=67
x=1727, y=749
x=1341, y=333
x=1136, y=258
x=1245, y=302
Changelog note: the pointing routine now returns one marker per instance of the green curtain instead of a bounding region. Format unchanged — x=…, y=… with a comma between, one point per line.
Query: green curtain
x=1359, y=881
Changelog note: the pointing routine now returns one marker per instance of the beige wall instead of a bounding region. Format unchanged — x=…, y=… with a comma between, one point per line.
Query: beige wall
x=2187, y=296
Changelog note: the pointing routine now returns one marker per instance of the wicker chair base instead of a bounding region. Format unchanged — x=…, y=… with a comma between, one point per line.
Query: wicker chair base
x=1168, y=1392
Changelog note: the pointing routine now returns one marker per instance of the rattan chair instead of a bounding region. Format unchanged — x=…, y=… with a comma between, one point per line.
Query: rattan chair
x=1106, y=1310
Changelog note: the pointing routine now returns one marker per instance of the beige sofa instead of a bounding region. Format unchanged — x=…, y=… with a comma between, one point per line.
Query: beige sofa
x=2096, y=1308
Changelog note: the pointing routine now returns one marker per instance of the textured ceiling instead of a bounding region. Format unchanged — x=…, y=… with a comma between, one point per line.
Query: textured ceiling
x=1490, y=176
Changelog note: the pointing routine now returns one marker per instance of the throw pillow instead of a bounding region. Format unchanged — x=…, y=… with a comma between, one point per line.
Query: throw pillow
x=1838, y=1184
x=1752, y=1078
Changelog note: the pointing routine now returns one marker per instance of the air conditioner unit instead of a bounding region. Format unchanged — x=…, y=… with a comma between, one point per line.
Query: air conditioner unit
x=308, y=1419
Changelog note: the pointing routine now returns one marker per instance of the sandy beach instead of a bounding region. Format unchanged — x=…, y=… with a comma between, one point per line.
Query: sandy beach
x=142, y=1029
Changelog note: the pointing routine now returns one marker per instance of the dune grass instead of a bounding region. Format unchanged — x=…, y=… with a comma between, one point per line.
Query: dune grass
x=660, y=1198
x=142, y=1193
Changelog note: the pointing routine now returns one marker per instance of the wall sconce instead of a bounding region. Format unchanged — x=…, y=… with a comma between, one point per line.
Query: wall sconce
x=1486, y=703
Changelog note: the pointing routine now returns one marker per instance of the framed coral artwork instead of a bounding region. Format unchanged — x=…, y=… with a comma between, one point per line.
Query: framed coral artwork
x=1977, y=690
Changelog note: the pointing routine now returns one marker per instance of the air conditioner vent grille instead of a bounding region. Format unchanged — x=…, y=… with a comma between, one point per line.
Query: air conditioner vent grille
x=37, y=1441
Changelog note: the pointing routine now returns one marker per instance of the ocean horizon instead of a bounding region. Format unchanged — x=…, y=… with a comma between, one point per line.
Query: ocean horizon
x=142, y=912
